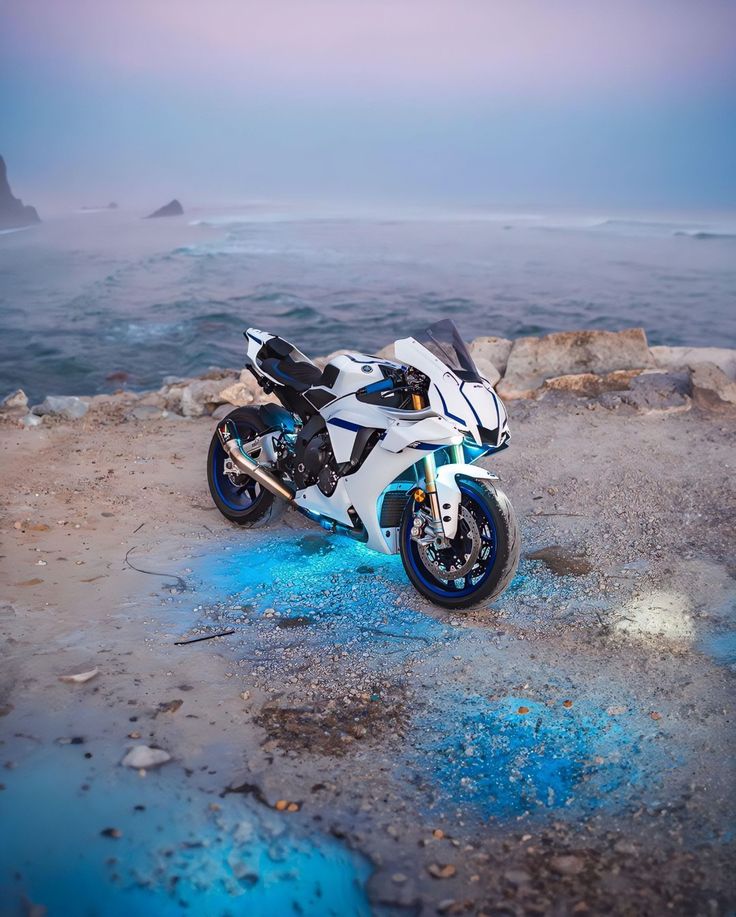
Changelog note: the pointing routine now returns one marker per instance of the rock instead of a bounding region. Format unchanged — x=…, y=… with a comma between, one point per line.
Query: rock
x=533, y=360
x=144, y=757
x=170, y=706
x=567, y=865
x=712, y=388
x=200, y=398
x=682, y=358
x=13, y=213
x=80, y=677
x=237, y=394
x=517, y=876
x=31, y=420
x=17, y=400
x=487, y=370
x=67, y=406
x=493, y=350
x=652, y=393
x=590, y=385
x=172, y=209
x=438, y=871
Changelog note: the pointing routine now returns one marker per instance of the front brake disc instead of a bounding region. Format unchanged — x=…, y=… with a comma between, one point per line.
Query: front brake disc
x=459, y=558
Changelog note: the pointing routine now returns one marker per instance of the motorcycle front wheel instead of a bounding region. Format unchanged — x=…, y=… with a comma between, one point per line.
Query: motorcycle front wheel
x=481, y=560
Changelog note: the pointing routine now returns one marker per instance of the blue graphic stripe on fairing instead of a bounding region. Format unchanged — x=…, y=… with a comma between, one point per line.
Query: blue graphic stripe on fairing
x=460, y=420
x=470, y=405
x=345, y=424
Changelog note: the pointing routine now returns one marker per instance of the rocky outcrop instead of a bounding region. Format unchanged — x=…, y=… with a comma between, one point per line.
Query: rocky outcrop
x=14, y=214
x=533, y=360
x=712, y=388
x=609, y=382
x=682, y=358
x=172, y=209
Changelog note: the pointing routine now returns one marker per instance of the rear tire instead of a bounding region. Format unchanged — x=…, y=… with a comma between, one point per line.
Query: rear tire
x=499, y=556
x=243, y=502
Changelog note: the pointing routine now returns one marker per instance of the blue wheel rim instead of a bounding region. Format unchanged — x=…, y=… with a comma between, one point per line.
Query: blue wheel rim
x=234, y=496
x=445, y=589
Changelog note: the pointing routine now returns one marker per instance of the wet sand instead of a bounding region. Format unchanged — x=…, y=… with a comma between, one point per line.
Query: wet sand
x=350, y=748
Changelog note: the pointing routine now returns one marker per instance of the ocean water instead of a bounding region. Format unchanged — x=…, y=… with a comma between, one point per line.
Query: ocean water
x=91, y=300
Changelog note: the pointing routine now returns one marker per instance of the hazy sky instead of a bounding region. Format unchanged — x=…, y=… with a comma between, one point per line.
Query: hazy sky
x=573, y=103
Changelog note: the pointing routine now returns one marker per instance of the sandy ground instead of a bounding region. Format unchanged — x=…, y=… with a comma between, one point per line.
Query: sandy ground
x=567, y=750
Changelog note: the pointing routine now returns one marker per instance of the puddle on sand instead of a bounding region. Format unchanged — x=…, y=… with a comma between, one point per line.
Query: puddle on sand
x=506, y=764
x=177, y=851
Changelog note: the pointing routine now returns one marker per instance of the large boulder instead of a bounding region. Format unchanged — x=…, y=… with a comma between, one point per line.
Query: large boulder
x=493, y=350
x=172, y=209
x=712, y=388
x=68, y=407
x=532, y=360
x=681, y=358
x=14, y=214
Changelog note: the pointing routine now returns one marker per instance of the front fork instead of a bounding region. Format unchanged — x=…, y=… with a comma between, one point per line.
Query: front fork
x=430, y=471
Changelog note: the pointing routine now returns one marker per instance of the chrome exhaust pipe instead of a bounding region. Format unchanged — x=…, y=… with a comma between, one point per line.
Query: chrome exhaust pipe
x=233, y=446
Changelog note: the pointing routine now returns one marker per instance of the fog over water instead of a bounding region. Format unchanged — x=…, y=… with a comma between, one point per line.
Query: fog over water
x=92, y=294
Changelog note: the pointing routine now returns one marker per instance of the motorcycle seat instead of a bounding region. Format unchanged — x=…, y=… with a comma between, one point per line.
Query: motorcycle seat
x=276, y=360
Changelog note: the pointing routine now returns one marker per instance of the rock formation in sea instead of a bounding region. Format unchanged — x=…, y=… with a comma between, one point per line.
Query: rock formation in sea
x=13, y=212
x=172, y=209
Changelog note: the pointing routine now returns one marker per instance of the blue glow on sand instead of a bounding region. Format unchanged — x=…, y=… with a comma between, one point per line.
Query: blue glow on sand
x=505, y=764
x=181, y=850
x=336, y=584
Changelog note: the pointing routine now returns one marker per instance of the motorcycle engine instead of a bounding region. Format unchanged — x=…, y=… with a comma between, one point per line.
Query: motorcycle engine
x=314, y=462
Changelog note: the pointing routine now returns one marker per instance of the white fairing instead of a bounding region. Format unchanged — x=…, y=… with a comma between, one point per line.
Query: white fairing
x=470, y=405
x=460, y=414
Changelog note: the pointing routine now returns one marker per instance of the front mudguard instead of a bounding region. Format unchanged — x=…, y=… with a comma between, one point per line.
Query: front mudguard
x=448, y=492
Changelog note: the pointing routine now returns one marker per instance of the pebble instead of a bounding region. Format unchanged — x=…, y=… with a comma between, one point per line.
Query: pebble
x=438, y=871
x=142, y=757
x=567, y=865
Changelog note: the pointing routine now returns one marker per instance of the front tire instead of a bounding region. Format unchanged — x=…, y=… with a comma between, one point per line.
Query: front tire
x=492, y=516
x=241, y=500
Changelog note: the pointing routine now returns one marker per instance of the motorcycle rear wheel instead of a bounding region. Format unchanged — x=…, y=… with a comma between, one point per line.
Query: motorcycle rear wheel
x=241, y=500
x=494, y=520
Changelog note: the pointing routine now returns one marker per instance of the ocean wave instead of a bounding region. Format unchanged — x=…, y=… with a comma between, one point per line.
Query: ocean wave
x=702, y=234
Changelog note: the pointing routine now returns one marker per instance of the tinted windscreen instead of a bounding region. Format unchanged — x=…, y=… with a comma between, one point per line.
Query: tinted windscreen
x=443, y=341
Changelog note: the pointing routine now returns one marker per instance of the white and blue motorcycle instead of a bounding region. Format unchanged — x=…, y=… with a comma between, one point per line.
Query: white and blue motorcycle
x=380, y=450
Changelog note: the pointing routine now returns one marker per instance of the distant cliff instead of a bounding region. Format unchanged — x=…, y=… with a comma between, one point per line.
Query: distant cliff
x=13, y=213
x=172, y=209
